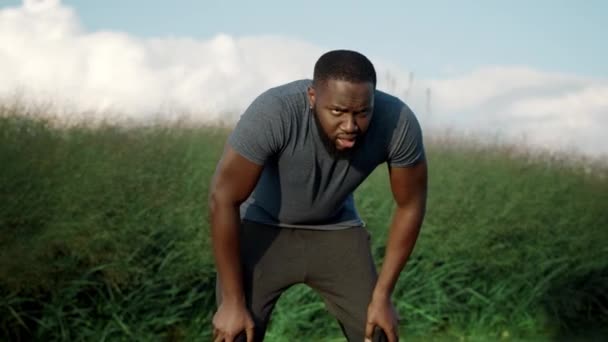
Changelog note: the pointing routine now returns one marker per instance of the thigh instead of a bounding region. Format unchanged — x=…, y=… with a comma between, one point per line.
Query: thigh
x=265, y=267
x=344, y=274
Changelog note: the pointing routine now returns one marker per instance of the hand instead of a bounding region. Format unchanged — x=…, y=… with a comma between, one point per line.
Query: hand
x=382, y=313
x=230, y=320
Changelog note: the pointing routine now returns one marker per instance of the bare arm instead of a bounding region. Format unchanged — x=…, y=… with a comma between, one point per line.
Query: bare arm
x=234, y=179
x=409, y=187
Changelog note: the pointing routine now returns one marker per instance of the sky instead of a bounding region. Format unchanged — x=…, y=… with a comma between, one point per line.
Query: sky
x=532, y=70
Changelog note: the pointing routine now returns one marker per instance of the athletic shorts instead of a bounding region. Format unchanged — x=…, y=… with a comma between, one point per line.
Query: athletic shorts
x=337, y=264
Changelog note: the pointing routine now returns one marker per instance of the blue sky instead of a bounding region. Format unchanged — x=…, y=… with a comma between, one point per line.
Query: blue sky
x=527, y=71
x=431, y=37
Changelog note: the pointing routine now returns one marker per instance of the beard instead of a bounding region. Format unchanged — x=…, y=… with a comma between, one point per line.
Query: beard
x=330, y=145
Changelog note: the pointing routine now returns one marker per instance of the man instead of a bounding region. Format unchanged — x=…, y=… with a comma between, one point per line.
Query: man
x=282, y=210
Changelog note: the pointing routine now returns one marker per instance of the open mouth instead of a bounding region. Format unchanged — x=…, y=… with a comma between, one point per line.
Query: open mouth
x=344, y=143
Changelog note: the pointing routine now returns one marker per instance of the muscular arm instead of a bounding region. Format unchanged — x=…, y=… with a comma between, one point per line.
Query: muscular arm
x=409, y=188
x=234, y=180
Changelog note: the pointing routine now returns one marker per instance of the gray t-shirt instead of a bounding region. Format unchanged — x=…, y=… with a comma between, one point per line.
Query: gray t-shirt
x=302, y=185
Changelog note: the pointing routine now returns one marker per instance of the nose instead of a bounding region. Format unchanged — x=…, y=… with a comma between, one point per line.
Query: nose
x=349, y=125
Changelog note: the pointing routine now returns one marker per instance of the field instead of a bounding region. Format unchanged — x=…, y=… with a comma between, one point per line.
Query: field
x=104, y=236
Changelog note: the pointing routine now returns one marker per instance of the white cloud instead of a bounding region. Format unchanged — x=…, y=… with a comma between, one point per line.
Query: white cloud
x=46, y=54
x=552, y=110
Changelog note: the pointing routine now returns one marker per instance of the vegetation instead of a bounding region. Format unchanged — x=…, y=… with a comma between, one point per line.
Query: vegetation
x=104, y=236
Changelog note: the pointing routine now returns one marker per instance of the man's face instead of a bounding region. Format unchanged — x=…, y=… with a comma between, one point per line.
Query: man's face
x=343, y=111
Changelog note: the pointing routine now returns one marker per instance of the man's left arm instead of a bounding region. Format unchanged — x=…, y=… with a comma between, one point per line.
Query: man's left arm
x=409, y=188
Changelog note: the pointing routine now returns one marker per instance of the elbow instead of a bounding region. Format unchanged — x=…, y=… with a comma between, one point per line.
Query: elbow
x=212, y=204
x=215, y=202
x=219, y=201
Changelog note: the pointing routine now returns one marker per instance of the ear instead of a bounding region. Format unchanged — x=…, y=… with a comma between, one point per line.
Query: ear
x=311, y=96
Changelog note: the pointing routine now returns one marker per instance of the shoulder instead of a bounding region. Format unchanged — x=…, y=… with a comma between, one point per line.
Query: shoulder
x=293, y=95
x=281, y=99
x=391, y=113
x=286, y=90
x=399, y=128
x=266, y=126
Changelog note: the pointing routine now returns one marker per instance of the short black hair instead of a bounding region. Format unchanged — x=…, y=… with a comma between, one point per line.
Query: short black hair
x=345, y=65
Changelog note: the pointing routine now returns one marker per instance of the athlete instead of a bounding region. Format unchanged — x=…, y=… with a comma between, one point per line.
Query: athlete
x=282, y=210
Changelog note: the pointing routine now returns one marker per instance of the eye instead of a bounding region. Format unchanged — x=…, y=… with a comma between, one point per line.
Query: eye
x=363, y=113
x=336, y=111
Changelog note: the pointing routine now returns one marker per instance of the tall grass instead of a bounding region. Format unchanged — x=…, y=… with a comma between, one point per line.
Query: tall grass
x=104, y=236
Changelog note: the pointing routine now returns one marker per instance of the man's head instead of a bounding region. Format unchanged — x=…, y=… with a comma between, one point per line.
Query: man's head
x=342, y=98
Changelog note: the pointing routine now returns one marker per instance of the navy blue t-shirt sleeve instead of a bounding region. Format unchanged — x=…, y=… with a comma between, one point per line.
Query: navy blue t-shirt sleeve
x=406, y=145
x=259, y=133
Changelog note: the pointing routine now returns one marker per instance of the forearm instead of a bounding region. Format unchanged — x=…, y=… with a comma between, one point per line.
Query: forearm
x=225, y=222
x=402, y=237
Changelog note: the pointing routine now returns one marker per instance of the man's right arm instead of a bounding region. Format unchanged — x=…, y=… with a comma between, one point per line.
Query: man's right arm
x=234, y=179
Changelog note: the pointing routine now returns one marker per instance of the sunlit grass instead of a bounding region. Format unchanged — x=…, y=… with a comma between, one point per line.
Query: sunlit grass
x=103, y=236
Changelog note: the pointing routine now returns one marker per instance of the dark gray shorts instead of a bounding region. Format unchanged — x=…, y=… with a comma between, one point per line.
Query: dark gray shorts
x=337, y=264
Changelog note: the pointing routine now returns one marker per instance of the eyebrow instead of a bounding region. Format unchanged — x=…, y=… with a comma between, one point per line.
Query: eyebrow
x=338, y=107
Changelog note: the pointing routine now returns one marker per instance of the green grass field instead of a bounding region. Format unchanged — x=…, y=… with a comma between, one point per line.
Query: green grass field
x=104, y=237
